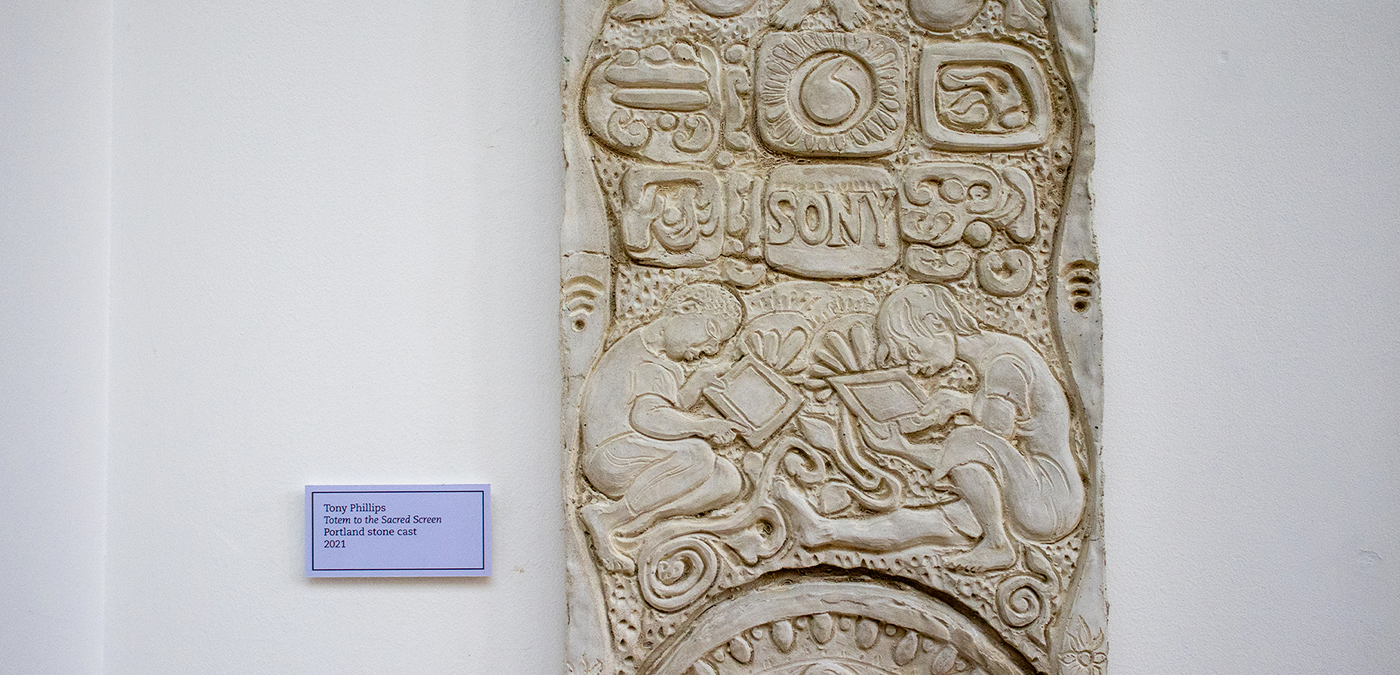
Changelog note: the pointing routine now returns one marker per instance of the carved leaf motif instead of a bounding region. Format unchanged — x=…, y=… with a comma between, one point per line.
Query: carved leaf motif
x=862, y=343
x=818, y=432
x=1038, y=563
x=1026, y=15
x=584, y=668
x=1081, y=639
x=849, y=351
x=841, y=347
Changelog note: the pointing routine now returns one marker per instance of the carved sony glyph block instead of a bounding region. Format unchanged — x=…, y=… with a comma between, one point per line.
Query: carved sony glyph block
x=826, y=221
x=830, y=338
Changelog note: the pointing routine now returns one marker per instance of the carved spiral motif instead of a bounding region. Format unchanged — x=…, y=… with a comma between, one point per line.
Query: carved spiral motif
x=627, y=131
x=1005, y=273
x=676, y=573
x=1019, y=601
x=925, y=263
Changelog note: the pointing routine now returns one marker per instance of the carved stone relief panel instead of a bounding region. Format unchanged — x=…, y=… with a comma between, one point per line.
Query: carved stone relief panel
x=830, y=338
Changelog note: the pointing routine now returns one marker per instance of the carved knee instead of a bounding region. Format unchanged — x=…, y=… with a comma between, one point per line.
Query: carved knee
x=726, y=479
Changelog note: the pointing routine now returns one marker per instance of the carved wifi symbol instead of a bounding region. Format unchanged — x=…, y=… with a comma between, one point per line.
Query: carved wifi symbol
x=1081, y=280
x=581, y=295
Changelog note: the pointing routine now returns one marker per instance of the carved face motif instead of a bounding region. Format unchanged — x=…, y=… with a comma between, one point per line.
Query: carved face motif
x=690, y=336
x=928, y=354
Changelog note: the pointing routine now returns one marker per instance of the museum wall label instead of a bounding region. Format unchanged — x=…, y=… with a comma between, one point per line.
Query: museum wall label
x=398, y=530
x=830, y=338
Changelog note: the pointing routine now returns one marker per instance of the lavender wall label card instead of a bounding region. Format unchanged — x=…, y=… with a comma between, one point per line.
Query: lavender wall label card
x=398, y=530
x=830, y=338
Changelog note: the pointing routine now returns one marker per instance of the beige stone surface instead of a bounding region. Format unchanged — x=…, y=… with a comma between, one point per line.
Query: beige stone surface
x=830, y=338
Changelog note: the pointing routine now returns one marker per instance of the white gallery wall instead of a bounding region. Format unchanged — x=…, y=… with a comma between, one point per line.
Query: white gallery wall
x=55, y=155
x=247, y=246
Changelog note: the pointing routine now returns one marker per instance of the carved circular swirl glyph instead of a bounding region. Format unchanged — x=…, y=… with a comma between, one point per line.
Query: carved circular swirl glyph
x=676, y=573
x=831, y=94
x=1019, y=602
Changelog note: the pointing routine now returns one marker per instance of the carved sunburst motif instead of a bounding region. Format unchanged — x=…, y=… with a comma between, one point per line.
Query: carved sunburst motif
x=831, y=94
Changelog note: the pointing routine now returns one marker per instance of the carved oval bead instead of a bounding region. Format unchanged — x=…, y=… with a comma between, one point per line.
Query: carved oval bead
x=943, y=15
x=907, y=649
x=741, y=650
x=723, y=8
x=823, y=628
x=784, y=635
x=867, y=632
x=944, y=660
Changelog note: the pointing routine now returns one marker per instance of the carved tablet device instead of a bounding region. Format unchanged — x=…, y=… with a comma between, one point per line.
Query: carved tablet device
x=830, y=337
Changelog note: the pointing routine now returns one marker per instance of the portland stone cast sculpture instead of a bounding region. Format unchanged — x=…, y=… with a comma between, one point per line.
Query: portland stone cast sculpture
x=830, y=338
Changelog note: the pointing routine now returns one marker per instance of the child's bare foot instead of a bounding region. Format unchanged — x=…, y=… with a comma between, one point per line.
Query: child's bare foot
x=594, y=519
x=987, y=555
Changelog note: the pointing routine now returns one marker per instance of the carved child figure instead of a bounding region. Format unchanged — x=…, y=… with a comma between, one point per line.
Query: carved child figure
x=640, y=447
x=1012, y=466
